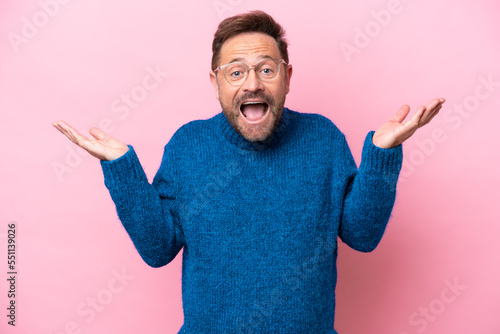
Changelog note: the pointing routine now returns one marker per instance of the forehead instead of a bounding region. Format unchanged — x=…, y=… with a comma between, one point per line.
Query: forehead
x=249, y=47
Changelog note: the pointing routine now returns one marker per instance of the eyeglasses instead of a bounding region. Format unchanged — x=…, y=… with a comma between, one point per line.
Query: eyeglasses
x=237, y=72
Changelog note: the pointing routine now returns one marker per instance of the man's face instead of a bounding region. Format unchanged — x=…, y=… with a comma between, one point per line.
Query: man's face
x=253, y=108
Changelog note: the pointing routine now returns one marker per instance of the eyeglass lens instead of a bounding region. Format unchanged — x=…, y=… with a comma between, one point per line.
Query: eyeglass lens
x=266, y=69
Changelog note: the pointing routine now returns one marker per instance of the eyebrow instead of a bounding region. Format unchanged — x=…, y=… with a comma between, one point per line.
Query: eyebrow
x=242, y=60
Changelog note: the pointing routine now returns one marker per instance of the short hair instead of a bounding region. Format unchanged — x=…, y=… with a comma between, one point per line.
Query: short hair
x=254, y=21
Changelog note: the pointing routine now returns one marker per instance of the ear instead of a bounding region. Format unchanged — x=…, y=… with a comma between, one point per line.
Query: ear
x=288, y=77
x=213, y=80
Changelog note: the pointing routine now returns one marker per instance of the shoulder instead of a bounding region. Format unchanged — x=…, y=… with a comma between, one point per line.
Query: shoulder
x=318, y=138
x=194, y=131
x=194, y=126
x=315, y=124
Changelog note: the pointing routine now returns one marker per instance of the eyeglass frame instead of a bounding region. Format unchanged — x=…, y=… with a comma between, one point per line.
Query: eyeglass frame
x=279, y=62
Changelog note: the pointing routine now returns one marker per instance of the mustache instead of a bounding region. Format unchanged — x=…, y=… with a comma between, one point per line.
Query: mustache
x=256, y=95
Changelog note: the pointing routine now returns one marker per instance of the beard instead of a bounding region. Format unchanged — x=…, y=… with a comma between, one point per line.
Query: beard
x=261, y=132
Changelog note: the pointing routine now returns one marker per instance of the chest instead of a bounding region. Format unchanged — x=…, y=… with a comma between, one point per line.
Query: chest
x=255, y=203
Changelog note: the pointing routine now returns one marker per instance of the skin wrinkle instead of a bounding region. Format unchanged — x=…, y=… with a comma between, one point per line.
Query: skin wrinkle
x=260, y=57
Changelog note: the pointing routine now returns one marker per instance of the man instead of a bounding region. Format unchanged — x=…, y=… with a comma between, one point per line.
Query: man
x=256, y=195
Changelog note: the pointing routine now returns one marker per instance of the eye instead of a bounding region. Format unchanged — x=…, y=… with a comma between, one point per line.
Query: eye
x=267, y=69
x=235, y=74
x=235, y=71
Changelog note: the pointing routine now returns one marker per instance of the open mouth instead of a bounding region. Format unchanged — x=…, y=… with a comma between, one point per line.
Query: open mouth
x=254, y=111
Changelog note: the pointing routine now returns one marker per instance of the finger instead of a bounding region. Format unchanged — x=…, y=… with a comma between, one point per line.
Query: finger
x=71, y=133
x=417, y=117
x=433, y=104
x=420, y=112
x=431, y=115
x=59, y=125
x=64, y=128
x=401, y=114
x=436, y=110
x=424, y=114
x=413, y=123
x=98, y=133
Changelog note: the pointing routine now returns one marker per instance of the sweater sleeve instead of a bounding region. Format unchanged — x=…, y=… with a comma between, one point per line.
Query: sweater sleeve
x=147, y=211
x=370, y=193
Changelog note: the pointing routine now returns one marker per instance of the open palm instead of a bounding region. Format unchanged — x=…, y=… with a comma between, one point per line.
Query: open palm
x=395, y=131
x=103, y=147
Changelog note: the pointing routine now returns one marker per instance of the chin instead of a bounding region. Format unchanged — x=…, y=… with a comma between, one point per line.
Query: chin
x=254, y=119
x=260, y=131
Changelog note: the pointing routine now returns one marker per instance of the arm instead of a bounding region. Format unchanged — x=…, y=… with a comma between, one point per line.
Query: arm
x=145, y=210
x=370, y=192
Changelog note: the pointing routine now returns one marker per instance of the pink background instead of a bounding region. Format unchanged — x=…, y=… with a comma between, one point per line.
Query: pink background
x=86, y=55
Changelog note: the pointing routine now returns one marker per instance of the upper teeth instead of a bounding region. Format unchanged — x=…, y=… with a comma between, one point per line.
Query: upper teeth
x=252, y=102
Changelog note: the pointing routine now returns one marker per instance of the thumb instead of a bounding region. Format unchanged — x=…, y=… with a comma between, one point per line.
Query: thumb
x=401, y=114
x=98, y=133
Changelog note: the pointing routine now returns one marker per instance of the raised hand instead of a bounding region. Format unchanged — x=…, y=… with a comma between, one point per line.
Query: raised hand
x=395, y=131
x=103, y=147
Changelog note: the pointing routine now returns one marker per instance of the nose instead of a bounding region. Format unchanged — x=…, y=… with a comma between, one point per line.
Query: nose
x=252, y=82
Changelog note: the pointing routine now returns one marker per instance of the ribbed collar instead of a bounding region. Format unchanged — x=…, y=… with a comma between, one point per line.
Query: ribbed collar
x=235, y=138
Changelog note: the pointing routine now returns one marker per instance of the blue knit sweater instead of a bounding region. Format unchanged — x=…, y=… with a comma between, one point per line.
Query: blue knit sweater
x=258, y=221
